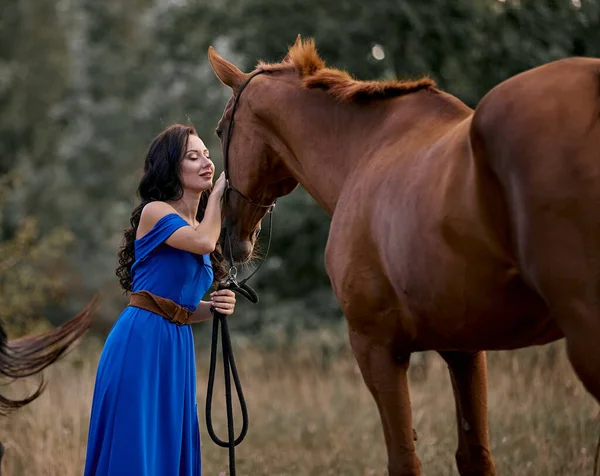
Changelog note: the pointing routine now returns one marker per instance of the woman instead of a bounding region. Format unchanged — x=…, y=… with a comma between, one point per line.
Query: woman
x=144, y=413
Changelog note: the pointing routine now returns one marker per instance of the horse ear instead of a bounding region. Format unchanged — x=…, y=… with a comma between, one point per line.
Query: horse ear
x=228, y=73
x=298, y=42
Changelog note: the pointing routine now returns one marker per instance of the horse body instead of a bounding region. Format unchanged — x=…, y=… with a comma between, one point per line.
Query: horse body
x=549, y=172
x=414, y=218
x=448, y=227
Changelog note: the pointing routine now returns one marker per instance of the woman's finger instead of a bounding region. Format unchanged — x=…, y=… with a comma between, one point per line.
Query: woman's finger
x=224, y=308
x=223, y=292
x=220, y=297
x=223, y=298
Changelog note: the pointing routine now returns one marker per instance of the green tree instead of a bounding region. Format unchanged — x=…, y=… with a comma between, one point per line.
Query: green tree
x=33, y=272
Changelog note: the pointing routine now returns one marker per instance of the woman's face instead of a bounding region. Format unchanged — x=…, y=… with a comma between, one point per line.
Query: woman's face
x=197, y=170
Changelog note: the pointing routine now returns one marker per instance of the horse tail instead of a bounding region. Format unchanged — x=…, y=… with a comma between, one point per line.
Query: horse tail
x=30, y=355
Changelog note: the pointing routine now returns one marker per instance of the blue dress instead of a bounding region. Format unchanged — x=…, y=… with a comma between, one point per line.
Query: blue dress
x=144, y=418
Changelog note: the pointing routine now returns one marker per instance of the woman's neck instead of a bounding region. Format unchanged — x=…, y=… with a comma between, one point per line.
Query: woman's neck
x=187, y=206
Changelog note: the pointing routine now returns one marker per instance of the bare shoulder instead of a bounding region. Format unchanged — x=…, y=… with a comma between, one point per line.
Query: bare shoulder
x=184, y=238
x=154, y=211
x=151, y=213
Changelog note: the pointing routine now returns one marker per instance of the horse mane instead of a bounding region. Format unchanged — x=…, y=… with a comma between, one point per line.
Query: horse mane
x=303, y=58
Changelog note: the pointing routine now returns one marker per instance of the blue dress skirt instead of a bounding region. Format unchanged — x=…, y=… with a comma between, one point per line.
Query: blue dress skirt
x=144, y=414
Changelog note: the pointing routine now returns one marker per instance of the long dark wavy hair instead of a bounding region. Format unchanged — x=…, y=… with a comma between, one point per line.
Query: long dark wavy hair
x=162, y=181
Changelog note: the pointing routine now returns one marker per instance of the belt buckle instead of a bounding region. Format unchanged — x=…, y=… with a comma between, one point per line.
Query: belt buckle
x=177, y=318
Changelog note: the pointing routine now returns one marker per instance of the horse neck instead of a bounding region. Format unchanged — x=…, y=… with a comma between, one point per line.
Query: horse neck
x=322, y=141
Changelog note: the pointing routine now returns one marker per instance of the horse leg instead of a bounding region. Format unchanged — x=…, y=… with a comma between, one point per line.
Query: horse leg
x=468, y=372
x=385, y=374
x=582, y=332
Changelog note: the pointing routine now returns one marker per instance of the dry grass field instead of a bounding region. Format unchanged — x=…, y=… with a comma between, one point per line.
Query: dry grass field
x=311, y=415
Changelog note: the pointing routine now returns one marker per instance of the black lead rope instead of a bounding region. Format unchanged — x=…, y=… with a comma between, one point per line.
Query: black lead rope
x=229, y=367
x=229, y=370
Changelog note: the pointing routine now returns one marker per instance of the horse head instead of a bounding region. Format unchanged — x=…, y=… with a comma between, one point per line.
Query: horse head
x=253, y=156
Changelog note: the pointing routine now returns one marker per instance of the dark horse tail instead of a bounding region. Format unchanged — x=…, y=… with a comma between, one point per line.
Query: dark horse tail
x=30, y=355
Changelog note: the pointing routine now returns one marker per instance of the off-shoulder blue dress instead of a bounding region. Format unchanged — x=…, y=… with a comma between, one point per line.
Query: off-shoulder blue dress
x=144, y=418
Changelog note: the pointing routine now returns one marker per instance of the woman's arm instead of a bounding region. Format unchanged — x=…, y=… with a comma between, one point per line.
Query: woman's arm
x=200, y=240
x=202, y=312
x=222, y=301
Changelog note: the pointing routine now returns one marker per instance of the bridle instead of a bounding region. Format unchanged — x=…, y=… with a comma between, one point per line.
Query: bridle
x=232, y=274
x=229, y=367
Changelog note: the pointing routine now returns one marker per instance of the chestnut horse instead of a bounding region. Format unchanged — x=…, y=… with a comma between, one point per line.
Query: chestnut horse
x=454, y=230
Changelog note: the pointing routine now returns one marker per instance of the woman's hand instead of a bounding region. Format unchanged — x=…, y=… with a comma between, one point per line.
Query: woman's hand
x=223, y=301
x=219, y=186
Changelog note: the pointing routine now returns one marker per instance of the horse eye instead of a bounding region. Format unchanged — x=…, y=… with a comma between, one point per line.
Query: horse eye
x=218, y=132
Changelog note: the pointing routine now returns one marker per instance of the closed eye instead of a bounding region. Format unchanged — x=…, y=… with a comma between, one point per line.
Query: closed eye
x=219, y=132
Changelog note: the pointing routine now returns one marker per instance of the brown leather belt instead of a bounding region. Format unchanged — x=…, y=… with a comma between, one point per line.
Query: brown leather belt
x=164, y=307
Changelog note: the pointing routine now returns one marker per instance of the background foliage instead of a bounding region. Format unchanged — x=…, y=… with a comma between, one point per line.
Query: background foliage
x=85, y=85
